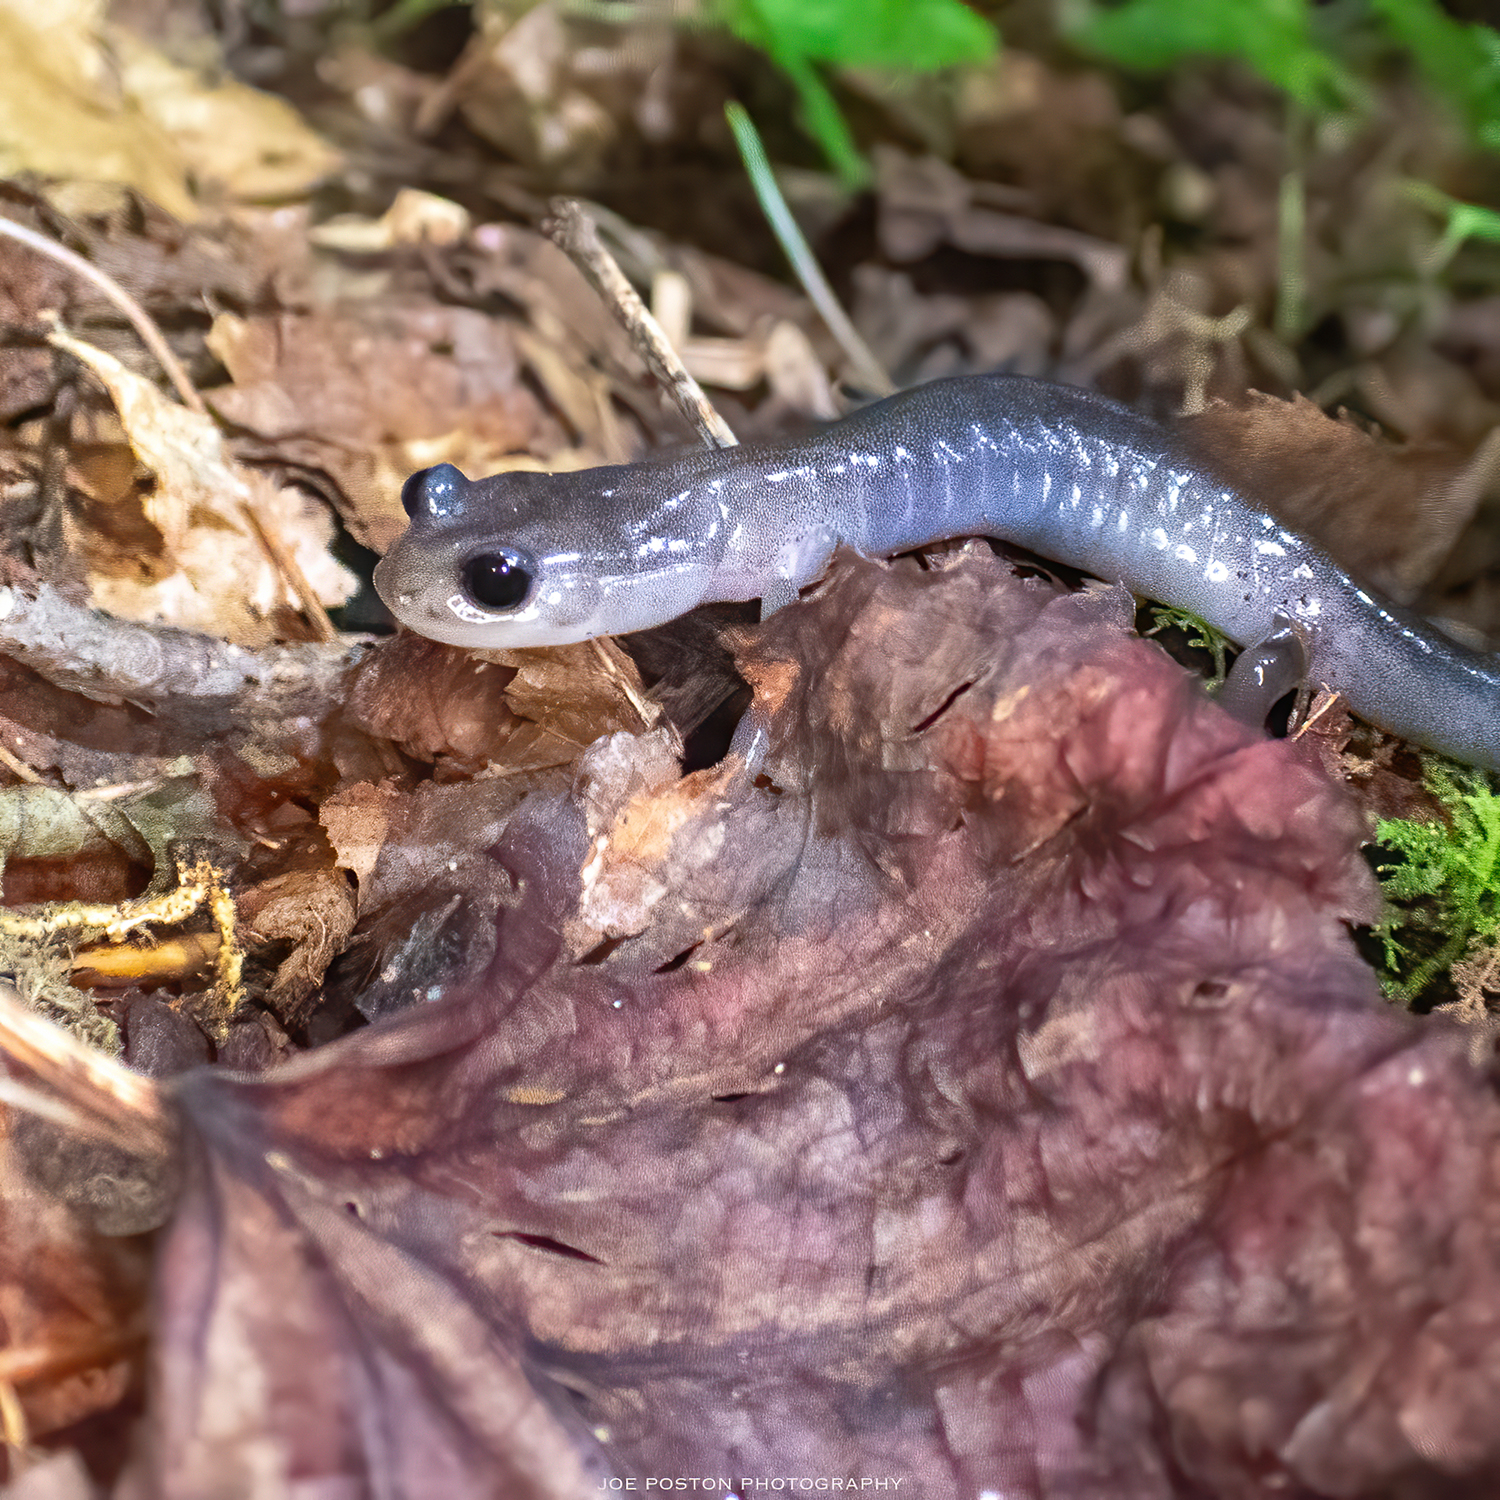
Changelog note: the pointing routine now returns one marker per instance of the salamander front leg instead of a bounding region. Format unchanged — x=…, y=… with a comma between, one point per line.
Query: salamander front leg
x=1264, y=673
x=779, y=593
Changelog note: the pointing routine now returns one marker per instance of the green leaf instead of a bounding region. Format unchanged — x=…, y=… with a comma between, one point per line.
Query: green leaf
x=913, y=35
x=1272, y=37
x=1461, y=62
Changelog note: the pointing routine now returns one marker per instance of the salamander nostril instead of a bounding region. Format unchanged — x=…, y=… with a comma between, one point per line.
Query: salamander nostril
x=496, y=580
x=411, y=492
x=432, y=491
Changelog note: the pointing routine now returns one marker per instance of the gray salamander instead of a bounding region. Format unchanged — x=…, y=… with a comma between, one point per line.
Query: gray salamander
x=525, y=559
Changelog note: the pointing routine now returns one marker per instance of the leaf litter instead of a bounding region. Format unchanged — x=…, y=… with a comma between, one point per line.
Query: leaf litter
x=986, y=1094
x=941, y=1090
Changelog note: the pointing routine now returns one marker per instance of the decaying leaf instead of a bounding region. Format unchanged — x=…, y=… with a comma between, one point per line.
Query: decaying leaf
x=513, y=710
x=312, y=913
x=87, y=1165
x=369, y=398
x=985, y=1094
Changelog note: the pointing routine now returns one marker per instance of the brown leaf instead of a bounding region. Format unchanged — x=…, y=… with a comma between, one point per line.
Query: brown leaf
x=369, y=397
x=1389, y=514
x=87, y=1164
x=312, y=910
x=210, y=512
x=517, y=710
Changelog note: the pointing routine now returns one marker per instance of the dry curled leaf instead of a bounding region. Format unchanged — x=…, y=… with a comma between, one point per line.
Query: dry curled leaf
x=211, y=513
x=369, y=396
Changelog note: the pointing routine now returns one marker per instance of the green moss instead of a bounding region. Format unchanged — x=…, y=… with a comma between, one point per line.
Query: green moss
x=1200, y=635
x=1444, y=893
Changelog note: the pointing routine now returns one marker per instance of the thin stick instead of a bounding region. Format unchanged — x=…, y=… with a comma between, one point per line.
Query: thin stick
x=867, y=369
x=139, y=319
x=578, y=236
x=76, y=1075
x=292, y=575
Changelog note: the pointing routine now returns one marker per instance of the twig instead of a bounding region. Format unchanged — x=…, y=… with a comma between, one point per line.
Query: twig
x=139, y=319
x=80, y=1078
x=18, y=767
x=578, y=236
x=181, y=673
x=867, y=369
x=286, y=564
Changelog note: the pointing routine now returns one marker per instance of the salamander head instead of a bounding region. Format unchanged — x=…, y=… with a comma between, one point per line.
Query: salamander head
x=524, y=559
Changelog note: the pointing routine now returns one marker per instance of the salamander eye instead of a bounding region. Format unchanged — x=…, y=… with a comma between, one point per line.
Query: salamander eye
x=497, y=580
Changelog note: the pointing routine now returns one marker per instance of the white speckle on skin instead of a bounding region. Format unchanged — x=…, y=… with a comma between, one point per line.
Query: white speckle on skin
x=1159, y=539
x=1216, y=572
x=1184, y=553
x=1270, y=549
x=1302, y=571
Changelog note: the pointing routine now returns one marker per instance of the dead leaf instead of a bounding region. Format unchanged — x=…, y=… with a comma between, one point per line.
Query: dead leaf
x=369, y=398
x=81, y=99
x=1388, y=514
x=1003, y=1037
x=222, y=580
x=355, y=819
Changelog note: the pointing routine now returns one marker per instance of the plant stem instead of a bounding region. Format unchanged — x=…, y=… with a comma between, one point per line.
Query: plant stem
x=866, y=368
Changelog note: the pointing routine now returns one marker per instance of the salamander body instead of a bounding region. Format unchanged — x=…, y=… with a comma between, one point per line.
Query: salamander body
x=525, y=559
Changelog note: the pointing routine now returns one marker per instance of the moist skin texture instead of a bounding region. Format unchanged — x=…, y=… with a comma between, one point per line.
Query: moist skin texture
x=1066, y=473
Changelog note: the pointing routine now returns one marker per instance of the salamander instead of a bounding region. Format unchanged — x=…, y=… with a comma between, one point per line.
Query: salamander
x=526, y=559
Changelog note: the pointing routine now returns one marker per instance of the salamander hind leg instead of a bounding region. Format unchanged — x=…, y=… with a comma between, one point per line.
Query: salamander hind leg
x=1265, y=672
